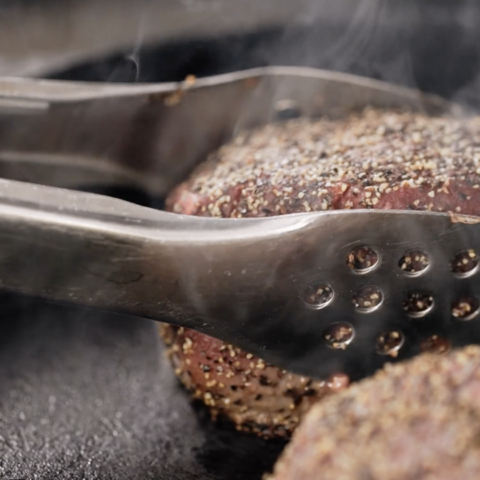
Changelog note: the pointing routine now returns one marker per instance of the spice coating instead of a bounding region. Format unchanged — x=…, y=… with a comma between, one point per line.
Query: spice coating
x=372, y=159
x=414, y=420
x=255, y=395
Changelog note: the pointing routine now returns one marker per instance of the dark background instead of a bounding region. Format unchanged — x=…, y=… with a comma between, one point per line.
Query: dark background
x=85, y=395
x=433, y=45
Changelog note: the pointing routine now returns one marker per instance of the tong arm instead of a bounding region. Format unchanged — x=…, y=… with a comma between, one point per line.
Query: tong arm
x=241, y=280
x=72, y=134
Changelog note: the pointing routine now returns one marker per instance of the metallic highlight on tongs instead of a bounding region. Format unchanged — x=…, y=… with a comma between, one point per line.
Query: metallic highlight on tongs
x=316, y=293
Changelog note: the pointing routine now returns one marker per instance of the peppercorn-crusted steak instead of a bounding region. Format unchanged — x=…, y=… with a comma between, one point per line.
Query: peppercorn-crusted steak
x=372, y=159
x=414, y=420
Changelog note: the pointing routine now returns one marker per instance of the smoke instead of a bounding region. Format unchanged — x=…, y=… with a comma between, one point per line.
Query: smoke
x=355, y=37
x=432, y=45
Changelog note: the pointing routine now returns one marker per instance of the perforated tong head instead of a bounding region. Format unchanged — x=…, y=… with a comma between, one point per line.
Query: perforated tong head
x=317, y=293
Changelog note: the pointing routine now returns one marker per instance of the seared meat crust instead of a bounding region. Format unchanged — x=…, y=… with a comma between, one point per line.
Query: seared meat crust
x=372, y=159
x=417, y=420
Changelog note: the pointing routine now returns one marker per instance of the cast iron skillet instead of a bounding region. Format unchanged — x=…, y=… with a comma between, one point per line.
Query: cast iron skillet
x=85, y=395
x=89, y=396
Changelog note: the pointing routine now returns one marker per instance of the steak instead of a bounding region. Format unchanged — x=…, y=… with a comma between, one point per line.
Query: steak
x=418, y=420
x=371, y=159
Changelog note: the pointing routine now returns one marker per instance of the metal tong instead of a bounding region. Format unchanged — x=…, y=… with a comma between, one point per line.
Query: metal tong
x=316, y=293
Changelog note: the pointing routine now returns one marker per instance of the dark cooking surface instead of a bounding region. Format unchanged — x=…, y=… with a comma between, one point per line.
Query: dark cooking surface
x=84, y=395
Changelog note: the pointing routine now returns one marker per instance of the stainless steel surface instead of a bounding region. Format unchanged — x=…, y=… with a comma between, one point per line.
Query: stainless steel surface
x=244, y=280
x=38, y=37
x=56, y=34
x=239, y=280
x=150, y=136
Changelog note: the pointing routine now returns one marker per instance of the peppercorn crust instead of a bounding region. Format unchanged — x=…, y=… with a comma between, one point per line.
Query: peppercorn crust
x=255, y=395
x=372, y=159
x=413, y=420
